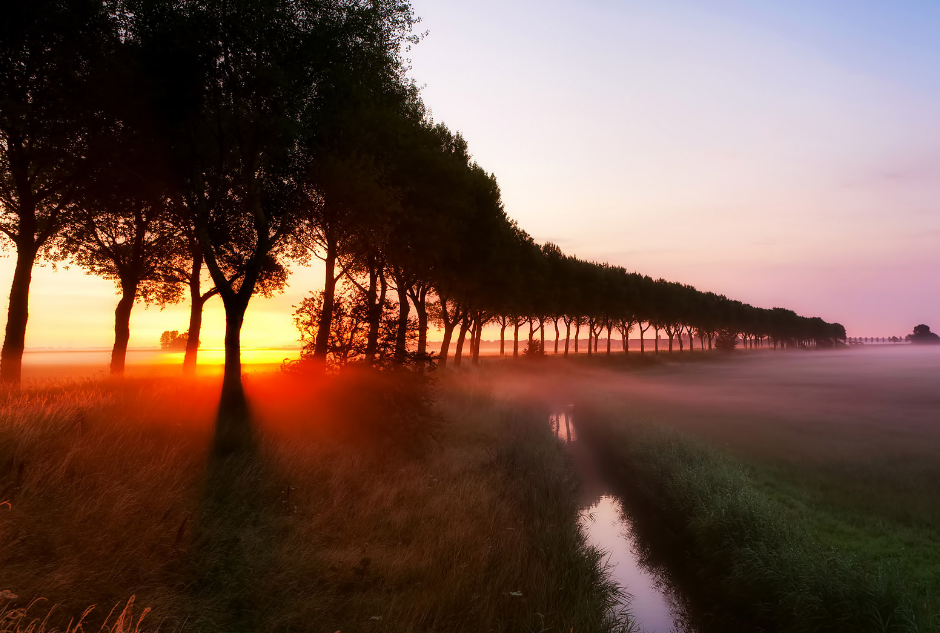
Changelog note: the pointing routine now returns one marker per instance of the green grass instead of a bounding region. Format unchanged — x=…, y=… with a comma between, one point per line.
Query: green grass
x=113, y=491
x=878, y=527
x=757, y=543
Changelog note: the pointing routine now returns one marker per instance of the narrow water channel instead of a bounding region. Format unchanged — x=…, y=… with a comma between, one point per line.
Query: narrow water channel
x=653, y=603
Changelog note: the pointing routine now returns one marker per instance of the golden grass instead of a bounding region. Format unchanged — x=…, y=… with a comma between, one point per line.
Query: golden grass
x=113, y=491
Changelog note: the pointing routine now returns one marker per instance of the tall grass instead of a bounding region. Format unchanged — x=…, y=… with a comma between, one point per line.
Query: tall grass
x=114, y=492
x=738, y=548
x=33, y=619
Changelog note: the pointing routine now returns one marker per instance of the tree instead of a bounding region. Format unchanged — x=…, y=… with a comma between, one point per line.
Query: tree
x=237, y=89
x=173, y=340
x=132, y=246
x=122, y=227
x=923, y=335
x=348, y=336
x=48, y=52
x=726, y=340
x=192, y=275
x=351, y=147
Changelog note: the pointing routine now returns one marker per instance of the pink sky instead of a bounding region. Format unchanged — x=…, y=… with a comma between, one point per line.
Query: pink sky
x=785, y=156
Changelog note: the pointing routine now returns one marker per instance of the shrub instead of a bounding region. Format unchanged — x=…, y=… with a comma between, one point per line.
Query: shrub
x=726, y=340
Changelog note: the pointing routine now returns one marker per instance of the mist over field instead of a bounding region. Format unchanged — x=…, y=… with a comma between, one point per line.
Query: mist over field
x=616, y=320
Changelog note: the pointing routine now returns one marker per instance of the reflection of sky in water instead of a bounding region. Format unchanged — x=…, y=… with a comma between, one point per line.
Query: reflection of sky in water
x=650, y=608
x=562, y=426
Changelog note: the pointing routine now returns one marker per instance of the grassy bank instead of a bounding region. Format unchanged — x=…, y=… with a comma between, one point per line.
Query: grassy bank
x=111, y=490
x=747, y=546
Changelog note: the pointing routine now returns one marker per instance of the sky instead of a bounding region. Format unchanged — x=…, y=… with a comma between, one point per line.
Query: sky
x=781, y=153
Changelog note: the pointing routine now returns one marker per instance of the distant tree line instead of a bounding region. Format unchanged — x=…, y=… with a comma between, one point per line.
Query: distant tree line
x=158, y=143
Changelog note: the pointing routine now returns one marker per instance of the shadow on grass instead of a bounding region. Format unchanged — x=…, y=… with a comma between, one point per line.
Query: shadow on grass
x=232, y=551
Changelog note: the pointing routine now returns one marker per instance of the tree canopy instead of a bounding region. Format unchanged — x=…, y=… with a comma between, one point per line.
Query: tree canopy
x=236, y=138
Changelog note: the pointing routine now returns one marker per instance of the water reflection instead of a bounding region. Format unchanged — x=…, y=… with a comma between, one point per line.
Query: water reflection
x=561, y=425
x=652, y=601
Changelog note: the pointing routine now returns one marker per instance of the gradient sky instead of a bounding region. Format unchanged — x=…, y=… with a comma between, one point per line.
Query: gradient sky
x=782, y=153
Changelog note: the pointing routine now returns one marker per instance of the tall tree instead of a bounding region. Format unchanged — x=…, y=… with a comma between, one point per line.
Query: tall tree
x=134, y=245
x=48, y=51
x=237, y=84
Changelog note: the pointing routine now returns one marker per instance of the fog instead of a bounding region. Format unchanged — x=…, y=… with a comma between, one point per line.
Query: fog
x=851, y=402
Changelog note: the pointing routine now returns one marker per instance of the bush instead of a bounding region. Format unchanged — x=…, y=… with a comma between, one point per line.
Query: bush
x=534, y=349
x=726, y=340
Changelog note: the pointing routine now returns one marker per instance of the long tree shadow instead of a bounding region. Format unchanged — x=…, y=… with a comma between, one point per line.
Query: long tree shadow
x=232, y=547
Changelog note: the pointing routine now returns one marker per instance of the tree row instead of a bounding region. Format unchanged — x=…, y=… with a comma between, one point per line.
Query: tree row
x=194, y=148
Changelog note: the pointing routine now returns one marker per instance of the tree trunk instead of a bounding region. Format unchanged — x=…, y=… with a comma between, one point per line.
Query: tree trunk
x=197, y=302
x=515, y=340
x=477, y=335
x=233, y=427
x=577, y=335
x=557, y=335
x=421, y=308
x=375, y=311
x=419, y=299
x=608, y=339
x=464, y=326
x=567, y=335
x=122, y=329
x=445, y=344
x=656, y=340
x=326, y=315
x=234, y=317
x=14, y=341
x=401, y=340
x=502, y=338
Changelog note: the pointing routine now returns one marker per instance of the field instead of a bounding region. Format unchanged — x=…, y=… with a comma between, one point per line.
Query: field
x=786, y=491
x=803, y=485
x=346, y=513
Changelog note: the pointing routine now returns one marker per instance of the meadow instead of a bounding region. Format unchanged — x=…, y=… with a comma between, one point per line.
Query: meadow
x=796, y=492
x=785, y=491
x=346, y=513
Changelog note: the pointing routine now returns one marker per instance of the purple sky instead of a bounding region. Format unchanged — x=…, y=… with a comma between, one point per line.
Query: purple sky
x=786, y=155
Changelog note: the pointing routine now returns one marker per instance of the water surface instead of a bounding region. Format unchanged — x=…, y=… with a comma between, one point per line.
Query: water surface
x=652, y=602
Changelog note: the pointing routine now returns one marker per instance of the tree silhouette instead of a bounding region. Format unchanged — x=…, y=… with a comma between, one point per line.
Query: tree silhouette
x=50, y=54
x=923, y=335
x=237, y=88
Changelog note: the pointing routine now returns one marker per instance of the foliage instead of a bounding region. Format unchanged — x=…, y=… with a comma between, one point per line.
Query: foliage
x=174, y=340
x=246, y=136
x=533, y=349
x=922, y=334
x=347, y=340
x=726, y=340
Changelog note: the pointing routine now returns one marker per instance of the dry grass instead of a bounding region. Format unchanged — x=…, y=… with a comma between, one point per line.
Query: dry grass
x=33, y=619
x=113, y=492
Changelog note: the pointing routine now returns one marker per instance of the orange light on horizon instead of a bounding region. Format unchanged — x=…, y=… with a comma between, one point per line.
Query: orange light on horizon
x=216, y=356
